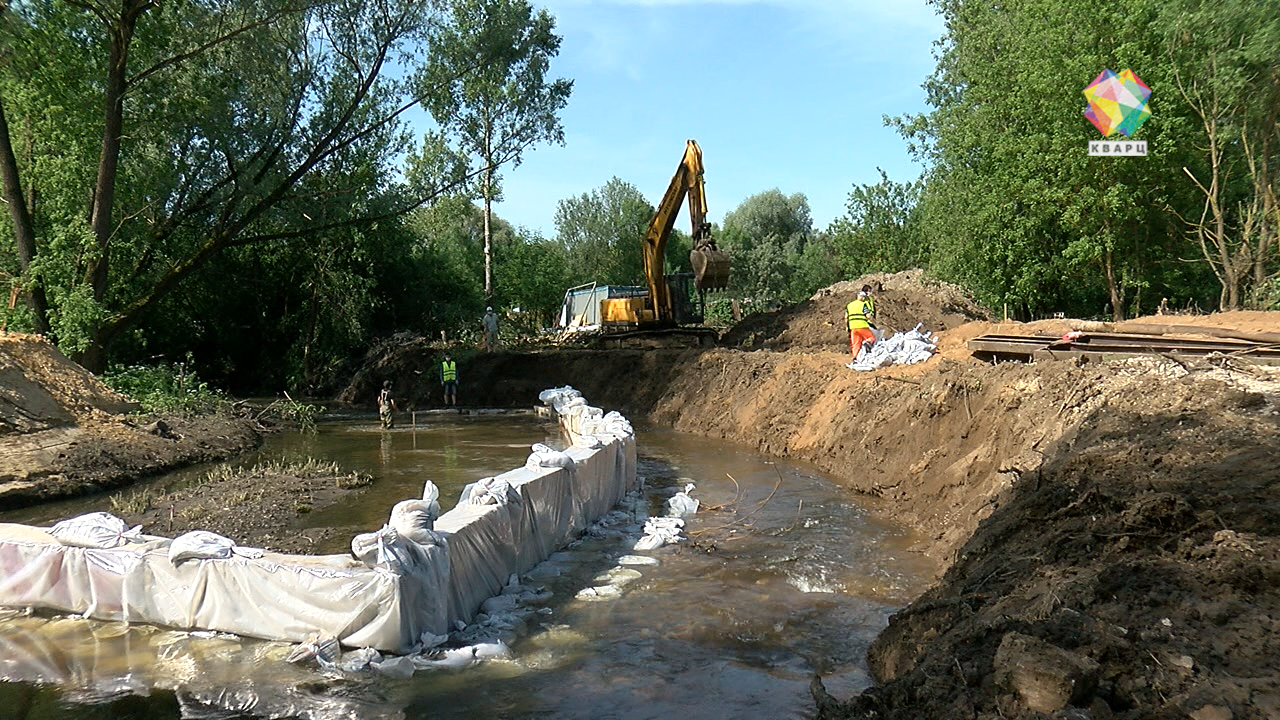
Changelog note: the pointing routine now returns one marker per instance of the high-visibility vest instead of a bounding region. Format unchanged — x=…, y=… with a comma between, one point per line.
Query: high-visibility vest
x=856, y=313
x=448, y=370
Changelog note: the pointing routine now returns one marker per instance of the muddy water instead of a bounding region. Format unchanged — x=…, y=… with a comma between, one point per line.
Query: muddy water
x=786, y=575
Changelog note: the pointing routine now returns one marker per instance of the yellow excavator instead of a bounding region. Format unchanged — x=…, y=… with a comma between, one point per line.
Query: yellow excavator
x=668, y=303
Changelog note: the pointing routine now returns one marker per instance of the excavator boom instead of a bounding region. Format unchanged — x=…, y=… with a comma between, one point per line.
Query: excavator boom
x=710, y=265
x=658, y=310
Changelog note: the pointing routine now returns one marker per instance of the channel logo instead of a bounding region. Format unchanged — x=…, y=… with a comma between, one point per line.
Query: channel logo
x=1117, y=104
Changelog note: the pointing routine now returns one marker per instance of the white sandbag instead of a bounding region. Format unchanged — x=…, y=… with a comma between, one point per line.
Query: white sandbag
x=543, y=456
x=489, y=491
x=324, y=650
x=614, y=423
x=431, y=494
x=200, y=545
x=396, y=667
x=564, y=403
x=383, y=549
x=906, y=348
x=449, y=659
x=547, y=397
x=560, y=398
x=95, y=530
x=415, y=520
x=588, y=442
x=496, y=650
x=359, y=659
x=682, y=504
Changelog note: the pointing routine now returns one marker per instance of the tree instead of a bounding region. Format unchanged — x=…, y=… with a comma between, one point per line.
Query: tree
x=1013, y=206
x=880, y=231
x=1226, y=67
x=602, y=232
x=499, y=112
x=764, y=236
x=222, y=126
x=533, y=275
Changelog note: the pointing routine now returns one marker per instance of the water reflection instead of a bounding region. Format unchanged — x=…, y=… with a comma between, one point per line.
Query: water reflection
x=785, y=575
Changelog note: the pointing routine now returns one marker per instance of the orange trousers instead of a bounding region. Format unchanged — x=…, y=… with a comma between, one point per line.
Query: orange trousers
x=858, y=336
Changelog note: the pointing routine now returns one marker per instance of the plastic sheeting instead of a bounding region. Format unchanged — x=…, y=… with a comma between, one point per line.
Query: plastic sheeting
x=387, y=606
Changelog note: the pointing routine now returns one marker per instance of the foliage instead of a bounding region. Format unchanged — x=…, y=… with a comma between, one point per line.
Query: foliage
x=602, y=232
x=165, y=388
x=1013, y=207
x=496, y=111
x=1225, y=59
x=303, y=415
x=880, y=232
x=533, y=271
x=764, y=235
x=219, y=127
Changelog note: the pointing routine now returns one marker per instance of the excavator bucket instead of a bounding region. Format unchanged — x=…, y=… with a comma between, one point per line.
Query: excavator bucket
x=710, y=268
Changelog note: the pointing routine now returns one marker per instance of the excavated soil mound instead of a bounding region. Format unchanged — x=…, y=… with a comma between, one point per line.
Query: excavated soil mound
x=62, y=432
x=903, y=300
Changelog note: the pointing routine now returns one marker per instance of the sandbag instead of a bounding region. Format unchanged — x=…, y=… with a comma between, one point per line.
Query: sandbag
x=659, y=531
x=543, y=456
x=431, y=494
x=548, y=397
x=682, y=504
x=95, y=530
x=489, y=491
x=415, y=520
x=383, y=549
x=205, y=545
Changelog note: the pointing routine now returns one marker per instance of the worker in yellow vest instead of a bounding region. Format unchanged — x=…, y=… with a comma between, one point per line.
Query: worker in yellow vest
x=449, y=379
x=858, y=315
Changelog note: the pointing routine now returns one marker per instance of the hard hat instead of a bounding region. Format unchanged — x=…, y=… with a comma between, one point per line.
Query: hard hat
x=488, y=309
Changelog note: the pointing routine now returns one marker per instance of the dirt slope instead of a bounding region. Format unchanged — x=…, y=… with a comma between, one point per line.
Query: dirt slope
x=903, y=300
x=62, y=432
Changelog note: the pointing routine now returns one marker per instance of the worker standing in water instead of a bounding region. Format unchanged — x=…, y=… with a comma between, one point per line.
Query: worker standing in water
x=449, y=380
x=858, y=315
x=386, y=406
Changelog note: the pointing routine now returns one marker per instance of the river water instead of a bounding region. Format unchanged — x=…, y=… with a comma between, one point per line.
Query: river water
x=786, y=574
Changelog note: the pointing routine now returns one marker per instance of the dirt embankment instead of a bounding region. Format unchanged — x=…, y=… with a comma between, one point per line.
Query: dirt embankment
x=1110, y=531
x=63, y=433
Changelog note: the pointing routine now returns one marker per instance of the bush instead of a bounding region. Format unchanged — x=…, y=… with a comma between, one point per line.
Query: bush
x=303, y=415
x=165, y=388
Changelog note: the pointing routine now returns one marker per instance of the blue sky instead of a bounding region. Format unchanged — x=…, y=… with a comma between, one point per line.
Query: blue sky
x=786, y=94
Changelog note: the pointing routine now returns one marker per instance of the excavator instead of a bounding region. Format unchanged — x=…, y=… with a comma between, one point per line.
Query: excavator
x=667, y=307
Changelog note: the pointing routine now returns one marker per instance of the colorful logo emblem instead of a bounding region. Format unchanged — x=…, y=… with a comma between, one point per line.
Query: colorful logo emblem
x=1117, y=103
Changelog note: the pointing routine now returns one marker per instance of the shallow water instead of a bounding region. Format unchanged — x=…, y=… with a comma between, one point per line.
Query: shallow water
x=786, y=575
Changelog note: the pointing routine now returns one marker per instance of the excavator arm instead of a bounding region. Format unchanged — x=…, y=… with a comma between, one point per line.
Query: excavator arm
x=710, y=265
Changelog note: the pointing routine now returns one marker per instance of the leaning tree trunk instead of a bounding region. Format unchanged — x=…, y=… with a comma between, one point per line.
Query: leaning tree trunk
x=487, y=190
x=24, y=233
